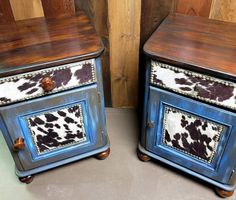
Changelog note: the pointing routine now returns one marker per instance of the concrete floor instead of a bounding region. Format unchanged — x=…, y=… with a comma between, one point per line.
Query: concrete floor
x=120, y=177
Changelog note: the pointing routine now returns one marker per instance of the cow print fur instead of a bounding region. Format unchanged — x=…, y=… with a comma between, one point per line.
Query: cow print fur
x=190, y=134
x=57, y=129
x=26, y=86
x=193, y=84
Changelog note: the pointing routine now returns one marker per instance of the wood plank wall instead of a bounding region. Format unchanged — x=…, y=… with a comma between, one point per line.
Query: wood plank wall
x=124, y=18
x=97, y=10
x=124, y=26
x=24, y=9
x=223, y=10
x=6, y=14
x=53, y=8
x=193, y=8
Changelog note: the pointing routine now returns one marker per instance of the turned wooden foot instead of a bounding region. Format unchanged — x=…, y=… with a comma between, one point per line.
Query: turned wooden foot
x=143, y=157
x=27, y=179
x=103, y=155
x=223, y=193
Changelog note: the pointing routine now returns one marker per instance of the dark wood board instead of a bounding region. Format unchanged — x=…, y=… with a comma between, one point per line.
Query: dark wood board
x=193, y=8
x=55, y=8
x=152, y=14
x=195, y=42
x=97, y=11
x=6, y=14
x=35, y=43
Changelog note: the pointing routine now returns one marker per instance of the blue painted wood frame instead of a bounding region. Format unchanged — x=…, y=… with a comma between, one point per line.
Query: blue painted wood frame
x=13, y=124
x=145, y=101
x=223, y=163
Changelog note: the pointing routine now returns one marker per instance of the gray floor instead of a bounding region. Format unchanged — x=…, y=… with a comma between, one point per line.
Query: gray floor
x=120, y=176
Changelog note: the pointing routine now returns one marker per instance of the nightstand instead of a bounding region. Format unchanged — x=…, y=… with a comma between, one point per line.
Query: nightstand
x=51, y=93
x=189, y=119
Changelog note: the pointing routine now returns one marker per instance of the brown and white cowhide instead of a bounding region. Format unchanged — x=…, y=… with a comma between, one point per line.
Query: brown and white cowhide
x=57, y=129
x=193, y=84
x=28, y=85
x=190, y=134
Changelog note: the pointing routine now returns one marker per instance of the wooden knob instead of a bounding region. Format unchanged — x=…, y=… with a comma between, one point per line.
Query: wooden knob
x=47, y=84
x=150, y=124
x=19, y=144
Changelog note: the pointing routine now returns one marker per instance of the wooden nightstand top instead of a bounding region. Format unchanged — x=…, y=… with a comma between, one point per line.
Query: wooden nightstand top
x=37, y=43
x=195, y=42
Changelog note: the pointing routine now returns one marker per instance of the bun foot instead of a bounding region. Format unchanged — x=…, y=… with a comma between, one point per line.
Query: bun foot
x=103, y=155
x=143, y=157
x=27, y=179
x=224, y=193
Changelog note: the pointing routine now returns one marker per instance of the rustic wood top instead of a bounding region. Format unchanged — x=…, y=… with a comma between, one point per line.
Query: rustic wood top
x=195, y=42
x=38, y=43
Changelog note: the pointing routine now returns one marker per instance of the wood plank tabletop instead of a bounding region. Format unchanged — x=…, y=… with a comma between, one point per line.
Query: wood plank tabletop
x=37, y=43
x=196, y=42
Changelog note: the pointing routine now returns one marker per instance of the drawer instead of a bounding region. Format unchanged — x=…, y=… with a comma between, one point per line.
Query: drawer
x=206, y=88
x=55, y=127
x=195, y=135
x=29, y=85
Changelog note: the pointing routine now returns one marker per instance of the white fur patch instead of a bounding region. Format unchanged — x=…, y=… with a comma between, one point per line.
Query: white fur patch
x=166, y=76
x=57, y=129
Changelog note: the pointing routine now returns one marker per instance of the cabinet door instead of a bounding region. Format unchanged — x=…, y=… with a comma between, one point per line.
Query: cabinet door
x=55, y=128
x=192, y=134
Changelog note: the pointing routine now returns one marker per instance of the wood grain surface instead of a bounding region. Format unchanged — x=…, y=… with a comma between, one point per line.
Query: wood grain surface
x=193, y=8
x=25, y=9
x=224, y=10
x=124, y=19
x=152, y=14
x=55, y=8
x=198, y=42
x=97, y=11
x=122, y=31
x=29, y=44
x=6, y=14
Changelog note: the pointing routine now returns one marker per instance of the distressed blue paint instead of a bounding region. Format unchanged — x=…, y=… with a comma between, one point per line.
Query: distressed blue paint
x=219, y=172
x=228, y=187
x=14, y=125
x=89, y=129
x=62, y=162
x=146, y=94
x=102, y=102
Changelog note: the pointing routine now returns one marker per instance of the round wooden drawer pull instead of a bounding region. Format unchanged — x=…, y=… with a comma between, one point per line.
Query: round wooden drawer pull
x=47, y=84
x=19, y=144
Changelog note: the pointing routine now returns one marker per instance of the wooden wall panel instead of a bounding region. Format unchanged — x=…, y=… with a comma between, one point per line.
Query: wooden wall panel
x=223, y=10
x=6, y=14
x=124, y=20
x=153, y=12
x=122, y=31
x=97, y=10
x=24, y=9
x=55, y=8
x=194, y=8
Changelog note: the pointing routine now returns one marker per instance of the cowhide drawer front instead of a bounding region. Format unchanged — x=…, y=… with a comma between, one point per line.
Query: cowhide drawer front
x=28, y=85
x=196, y=85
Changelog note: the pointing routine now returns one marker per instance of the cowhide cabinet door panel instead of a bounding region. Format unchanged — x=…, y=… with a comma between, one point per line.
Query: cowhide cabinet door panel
x=56, y=127
x=191, y=134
